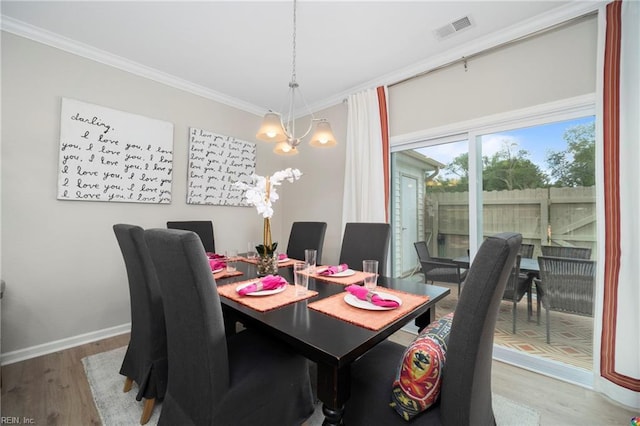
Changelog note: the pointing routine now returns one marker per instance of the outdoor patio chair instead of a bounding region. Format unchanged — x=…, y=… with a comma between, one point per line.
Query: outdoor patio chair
x=566, y=285
x=438, y=268
x=518, y=285
x=572, y=252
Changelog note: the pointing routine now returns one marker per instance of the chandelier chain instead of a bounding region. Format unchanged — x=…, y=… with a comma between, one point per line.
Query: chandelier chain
x=293, y=64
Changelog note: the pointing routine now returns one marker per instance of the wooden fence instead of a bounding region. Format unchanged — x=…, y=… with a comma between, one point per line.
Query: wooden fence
x=557, y=216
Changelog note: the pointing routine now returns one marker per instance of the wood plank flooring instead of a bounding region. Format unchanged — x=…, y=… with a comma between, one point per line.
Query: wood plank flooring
x=53, y=390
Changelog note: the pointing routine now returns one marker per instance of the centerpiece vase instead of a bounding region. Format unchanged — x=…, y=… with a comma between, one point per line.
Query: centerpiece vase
x=267, y=259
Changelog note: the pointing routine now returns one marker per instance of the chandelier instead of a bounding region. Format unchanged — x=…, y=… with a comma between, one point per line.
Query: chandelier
x=282, y=129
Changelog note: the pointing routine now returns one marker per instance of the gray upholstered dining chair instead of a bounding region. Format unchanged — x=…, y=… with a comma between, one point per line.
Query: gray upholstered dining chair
x=566, y=285
x=465, y=395
x=306, y=235
x=244, y=378
x=438, y=268
x=204, y=229
x=365, y=240
x=145, y=361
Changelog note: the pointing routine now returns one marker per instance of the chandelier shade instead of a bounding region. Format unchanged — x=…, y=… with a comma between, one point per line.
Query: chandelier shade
x=271, y=129
x=282, y=129
x=323, y=136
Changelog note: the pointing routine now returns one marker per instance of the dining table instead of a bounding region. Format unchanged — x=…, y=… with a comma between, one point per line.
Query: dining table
x=310, y=328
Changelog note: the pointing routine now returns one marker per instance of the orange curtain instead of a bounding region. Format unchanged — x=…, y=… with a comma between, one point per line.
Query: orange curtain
x=611, y=137
x=384, y=125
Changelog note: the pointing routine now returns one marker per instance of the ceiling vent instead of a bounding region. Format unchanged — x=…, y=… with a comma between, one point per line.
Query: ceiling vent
x=454, y=27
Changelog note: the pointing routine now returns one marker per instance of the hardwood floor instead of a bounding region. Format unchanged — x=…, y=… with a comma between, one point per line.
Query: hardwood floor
x=53, y=390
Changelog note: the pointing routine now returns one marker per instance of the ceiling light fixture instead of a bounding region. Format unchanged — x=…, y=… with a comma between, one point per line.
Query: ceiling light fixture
x=276, y=128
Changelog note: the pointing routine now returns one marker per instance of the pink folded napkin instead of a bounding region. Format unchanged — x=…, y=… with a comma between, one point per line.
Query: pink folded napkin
x=334, y=269
x=270, y=282
x=371, y=297
x=216, y=264
x=282, y=256
x=211, y=255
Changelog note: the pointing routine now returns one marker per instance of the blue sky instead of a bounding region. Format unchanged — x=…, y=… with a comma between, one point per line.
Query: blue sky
x=538, y=141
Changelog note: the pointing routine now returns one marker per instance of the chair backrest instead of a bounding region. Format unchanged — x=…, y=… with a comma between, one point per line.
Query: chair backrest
x=526, y=250
x=199, y=369
x=512, y=287
x=466, y=381
x=568, y=284
x=306, y=235
x=204, y=229
x=145, y=360
x=422, y=250
x=363, y=241
x=572, y=252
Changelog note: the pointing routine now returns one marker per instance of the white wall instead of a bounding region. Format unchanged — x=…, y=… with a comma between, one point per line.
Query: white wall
x=64, y=271
x=555, y=65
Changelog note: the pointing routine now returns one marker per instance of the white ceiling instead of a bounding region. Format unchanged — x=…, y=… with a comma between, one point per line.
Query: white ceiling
x=239, y=52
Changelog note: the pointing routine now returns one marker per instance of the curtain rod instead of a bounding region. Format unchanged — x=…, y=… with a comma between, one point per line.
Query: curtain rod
x=464, y=59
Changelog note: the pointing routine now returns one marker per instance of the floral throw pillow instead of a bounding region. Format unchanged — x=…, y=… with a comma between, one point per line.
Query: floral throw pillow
x=417, y=383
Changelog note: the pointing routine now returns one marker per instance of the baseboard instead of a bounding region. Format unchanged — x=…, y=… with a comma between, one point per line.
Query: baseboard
x=59, y=345
x=557, y=370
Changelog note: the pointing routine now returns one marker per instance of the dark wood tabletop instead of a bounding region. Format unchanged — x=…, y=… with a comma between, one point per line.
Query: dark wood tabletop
x=330, y=342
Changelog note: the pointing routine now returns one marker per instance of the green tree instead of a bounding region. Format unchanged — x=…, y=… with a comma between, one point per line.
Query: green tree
x=510, y=169
x=507, y=169
x=575, y=166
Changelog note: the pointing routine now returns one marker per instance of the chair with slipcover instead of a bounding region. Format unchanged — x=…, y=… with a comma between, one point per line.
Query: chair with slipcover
x=465, y=392
x=439, y=268
x=566, y=285
x=306, y=235
x=204, y=229
x=145, y=361
x=217, y=379
x=362, y=241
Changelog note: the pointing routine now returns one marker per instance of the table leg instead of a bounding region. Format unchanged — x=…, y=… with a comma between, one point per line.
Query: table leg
x=334, y=388
x=425, y=319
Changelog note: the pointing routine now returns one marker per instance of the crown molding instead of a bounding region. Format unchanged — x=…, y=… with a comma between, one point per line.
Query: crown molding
x=31, y=32
x=572, y=10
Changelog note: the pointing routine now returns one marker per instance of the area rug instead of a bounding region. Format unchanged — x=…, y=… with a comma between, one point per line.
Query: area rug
x=117, y=408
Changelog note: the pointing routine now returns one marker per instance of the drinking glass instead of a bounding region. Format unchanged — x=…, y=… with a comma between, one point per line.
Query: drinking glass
x=370, y=267
x=310, y=259
x=300, y=278
x=231, y=257
x=251, y=250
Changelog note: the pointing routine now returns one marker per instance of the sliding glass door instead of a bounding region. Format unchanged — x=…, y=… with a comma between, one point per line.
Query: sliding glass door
x=533, y=176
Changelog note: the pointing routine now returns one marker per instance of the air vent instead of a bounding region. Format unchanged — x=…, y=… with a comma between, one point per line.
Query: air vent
x=454, y=27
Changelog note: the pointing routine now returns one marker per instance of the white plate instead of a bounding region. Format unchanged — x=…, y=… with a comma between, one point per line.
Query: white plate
x=283, y=260
x=345, y=273
x=363, y=304
x=262, y=292
x=218, y=270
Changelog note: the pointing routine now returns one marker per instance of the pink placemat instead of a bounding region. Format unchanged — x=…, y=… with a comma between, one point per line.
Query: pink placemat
x=263, y=303
x=335, y=306
x=358, y=277
x=284, y=264
x=224, y=274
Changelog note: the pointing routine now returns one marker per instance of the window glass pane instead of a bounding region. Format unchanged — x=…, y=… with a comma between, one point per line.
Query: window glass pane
x=430, y=203
x=540, y=181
